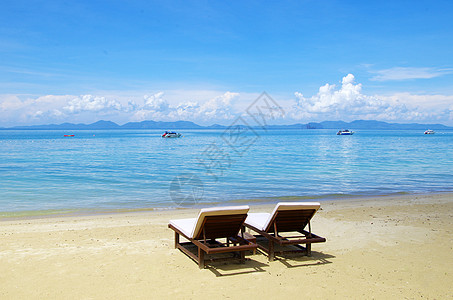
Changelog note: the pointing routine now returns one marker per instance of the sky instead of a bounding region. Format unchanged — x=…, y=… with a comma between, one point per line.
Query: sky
x=208, y=61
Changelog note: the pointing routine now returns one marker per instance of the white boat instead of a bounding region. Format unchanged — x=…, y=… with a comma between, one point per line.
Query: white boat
x=345, y=132
x=171, y=134
x=429, y=131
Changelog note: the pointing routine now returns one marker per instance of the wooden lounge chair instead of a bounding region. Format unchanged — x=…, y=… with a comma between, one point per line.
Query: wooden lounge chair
x=211, y=225
x=288, y=218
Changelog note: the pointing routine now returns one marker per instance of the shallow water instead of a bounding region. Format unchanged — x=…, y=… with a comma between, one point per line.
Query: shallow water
x=128, y=169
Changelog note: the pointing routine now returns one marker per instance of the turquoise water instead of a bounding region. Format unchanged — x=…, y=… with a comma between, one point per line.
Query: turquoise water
x=118, y=169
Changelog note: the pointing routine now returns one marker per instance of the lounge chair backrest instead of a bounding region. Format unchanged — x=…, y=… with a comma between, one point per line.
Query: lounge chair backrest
x=291, y=216
x=219, y=222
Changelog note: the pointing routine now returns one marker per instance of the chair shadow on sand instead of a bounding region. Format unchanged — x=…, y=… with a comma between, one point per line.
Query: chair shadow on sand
x=253, y=266
x=220, y=267
x=291, y=260
x=223, y=270
x=295, y=261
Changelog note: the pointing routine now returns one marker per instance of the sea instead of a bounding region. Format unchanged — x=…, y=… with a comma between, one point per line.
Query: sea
x=47, y=171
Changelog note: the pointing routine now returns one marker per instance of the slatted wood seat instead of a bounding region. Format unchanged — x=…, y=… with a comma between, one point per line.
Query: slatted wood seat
x=286, y=219
x=205, y=231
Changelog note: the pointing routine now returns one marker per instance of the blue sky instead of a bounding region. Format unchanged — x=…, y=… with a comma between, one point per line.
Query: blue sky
x=206, y=61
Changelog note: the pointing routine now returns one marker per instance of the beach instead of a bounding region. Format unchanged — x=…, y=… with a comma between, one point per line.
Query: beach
x=387, y=247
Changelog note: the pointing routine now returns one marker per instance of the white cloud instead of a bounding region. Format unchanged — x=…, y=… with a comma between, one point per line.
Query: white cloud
x=349, y=103
x=427, y=108
x=11, y=103
x=157, y=108
x=156, y=103
x=427, y=101
x=219, y=107
x=347, y=100
x=90, y=108
x=23, y=110
x=186, y=111
x=91, y=103
x=402, y=73
x=48, y=114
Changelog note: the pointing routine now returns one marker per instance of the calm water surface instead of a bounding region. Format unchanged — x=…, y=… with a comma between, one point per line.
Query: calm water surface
x=43, y=170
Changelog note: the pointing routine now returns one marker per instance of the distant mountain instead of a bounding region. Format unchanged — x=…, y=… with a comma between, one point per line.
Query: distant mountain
x=293, y=126
x=69, y=126
x=178, y=125
x=370, y=124
x=105, y=125
x=216, y=126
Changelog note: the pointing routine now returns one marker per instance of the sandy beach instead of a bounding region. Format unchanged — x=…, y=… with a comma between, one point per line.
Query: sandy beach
x=393, y=247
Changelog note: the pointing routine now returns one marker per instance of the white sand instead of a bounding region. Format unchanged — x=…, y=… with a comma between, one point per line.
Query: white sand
x=386, y=247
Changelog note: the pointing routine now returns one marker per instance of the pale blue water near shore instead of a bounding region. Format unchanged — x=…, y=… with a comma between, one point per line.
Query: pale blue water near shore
x=118, y=169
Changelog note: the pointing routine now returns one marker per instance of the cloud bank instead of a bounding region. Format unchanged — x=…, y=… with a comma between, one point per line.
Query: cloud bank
x=91, y=103
x=345, y=101
x=156, y=108
x=17, y=110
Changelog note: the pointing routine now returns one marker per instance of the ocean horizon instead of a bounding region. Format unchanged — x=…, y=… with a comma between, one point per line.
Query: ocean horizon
x=105, y=170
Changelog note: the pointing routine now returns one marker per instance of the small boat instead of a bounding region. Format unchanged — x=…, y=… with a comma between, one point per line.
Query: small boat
x=171, y=134
x=429, y=131
x=68, y=135
x=345, y=132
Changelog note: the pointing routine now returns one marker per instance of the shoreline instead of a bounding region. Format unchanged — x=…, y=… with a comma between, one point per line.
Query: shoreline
x=385, y=247
x=254, y=202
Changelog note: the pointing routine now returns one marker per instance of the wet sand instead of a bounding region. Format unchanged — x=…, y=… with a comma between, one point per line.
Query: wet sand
x=384, y=247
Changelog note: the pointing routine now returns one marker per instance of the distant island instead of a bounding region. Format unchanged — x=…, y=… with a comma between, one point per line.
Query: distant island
x=178, y=125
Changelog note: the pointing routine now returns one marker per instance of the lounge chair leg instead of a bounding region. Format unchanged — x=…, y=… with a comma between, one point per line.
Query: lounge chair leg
x=308, y=247
x=242, y=257
x=200, y=258
x=176, y=239
x=271, y=251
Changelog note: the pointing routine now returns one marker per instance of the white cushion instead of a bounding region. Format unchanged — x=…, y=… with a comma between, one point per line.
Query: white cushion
x=184, y=225
x=261, y=220
x=191, y=227
x=257, y=220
